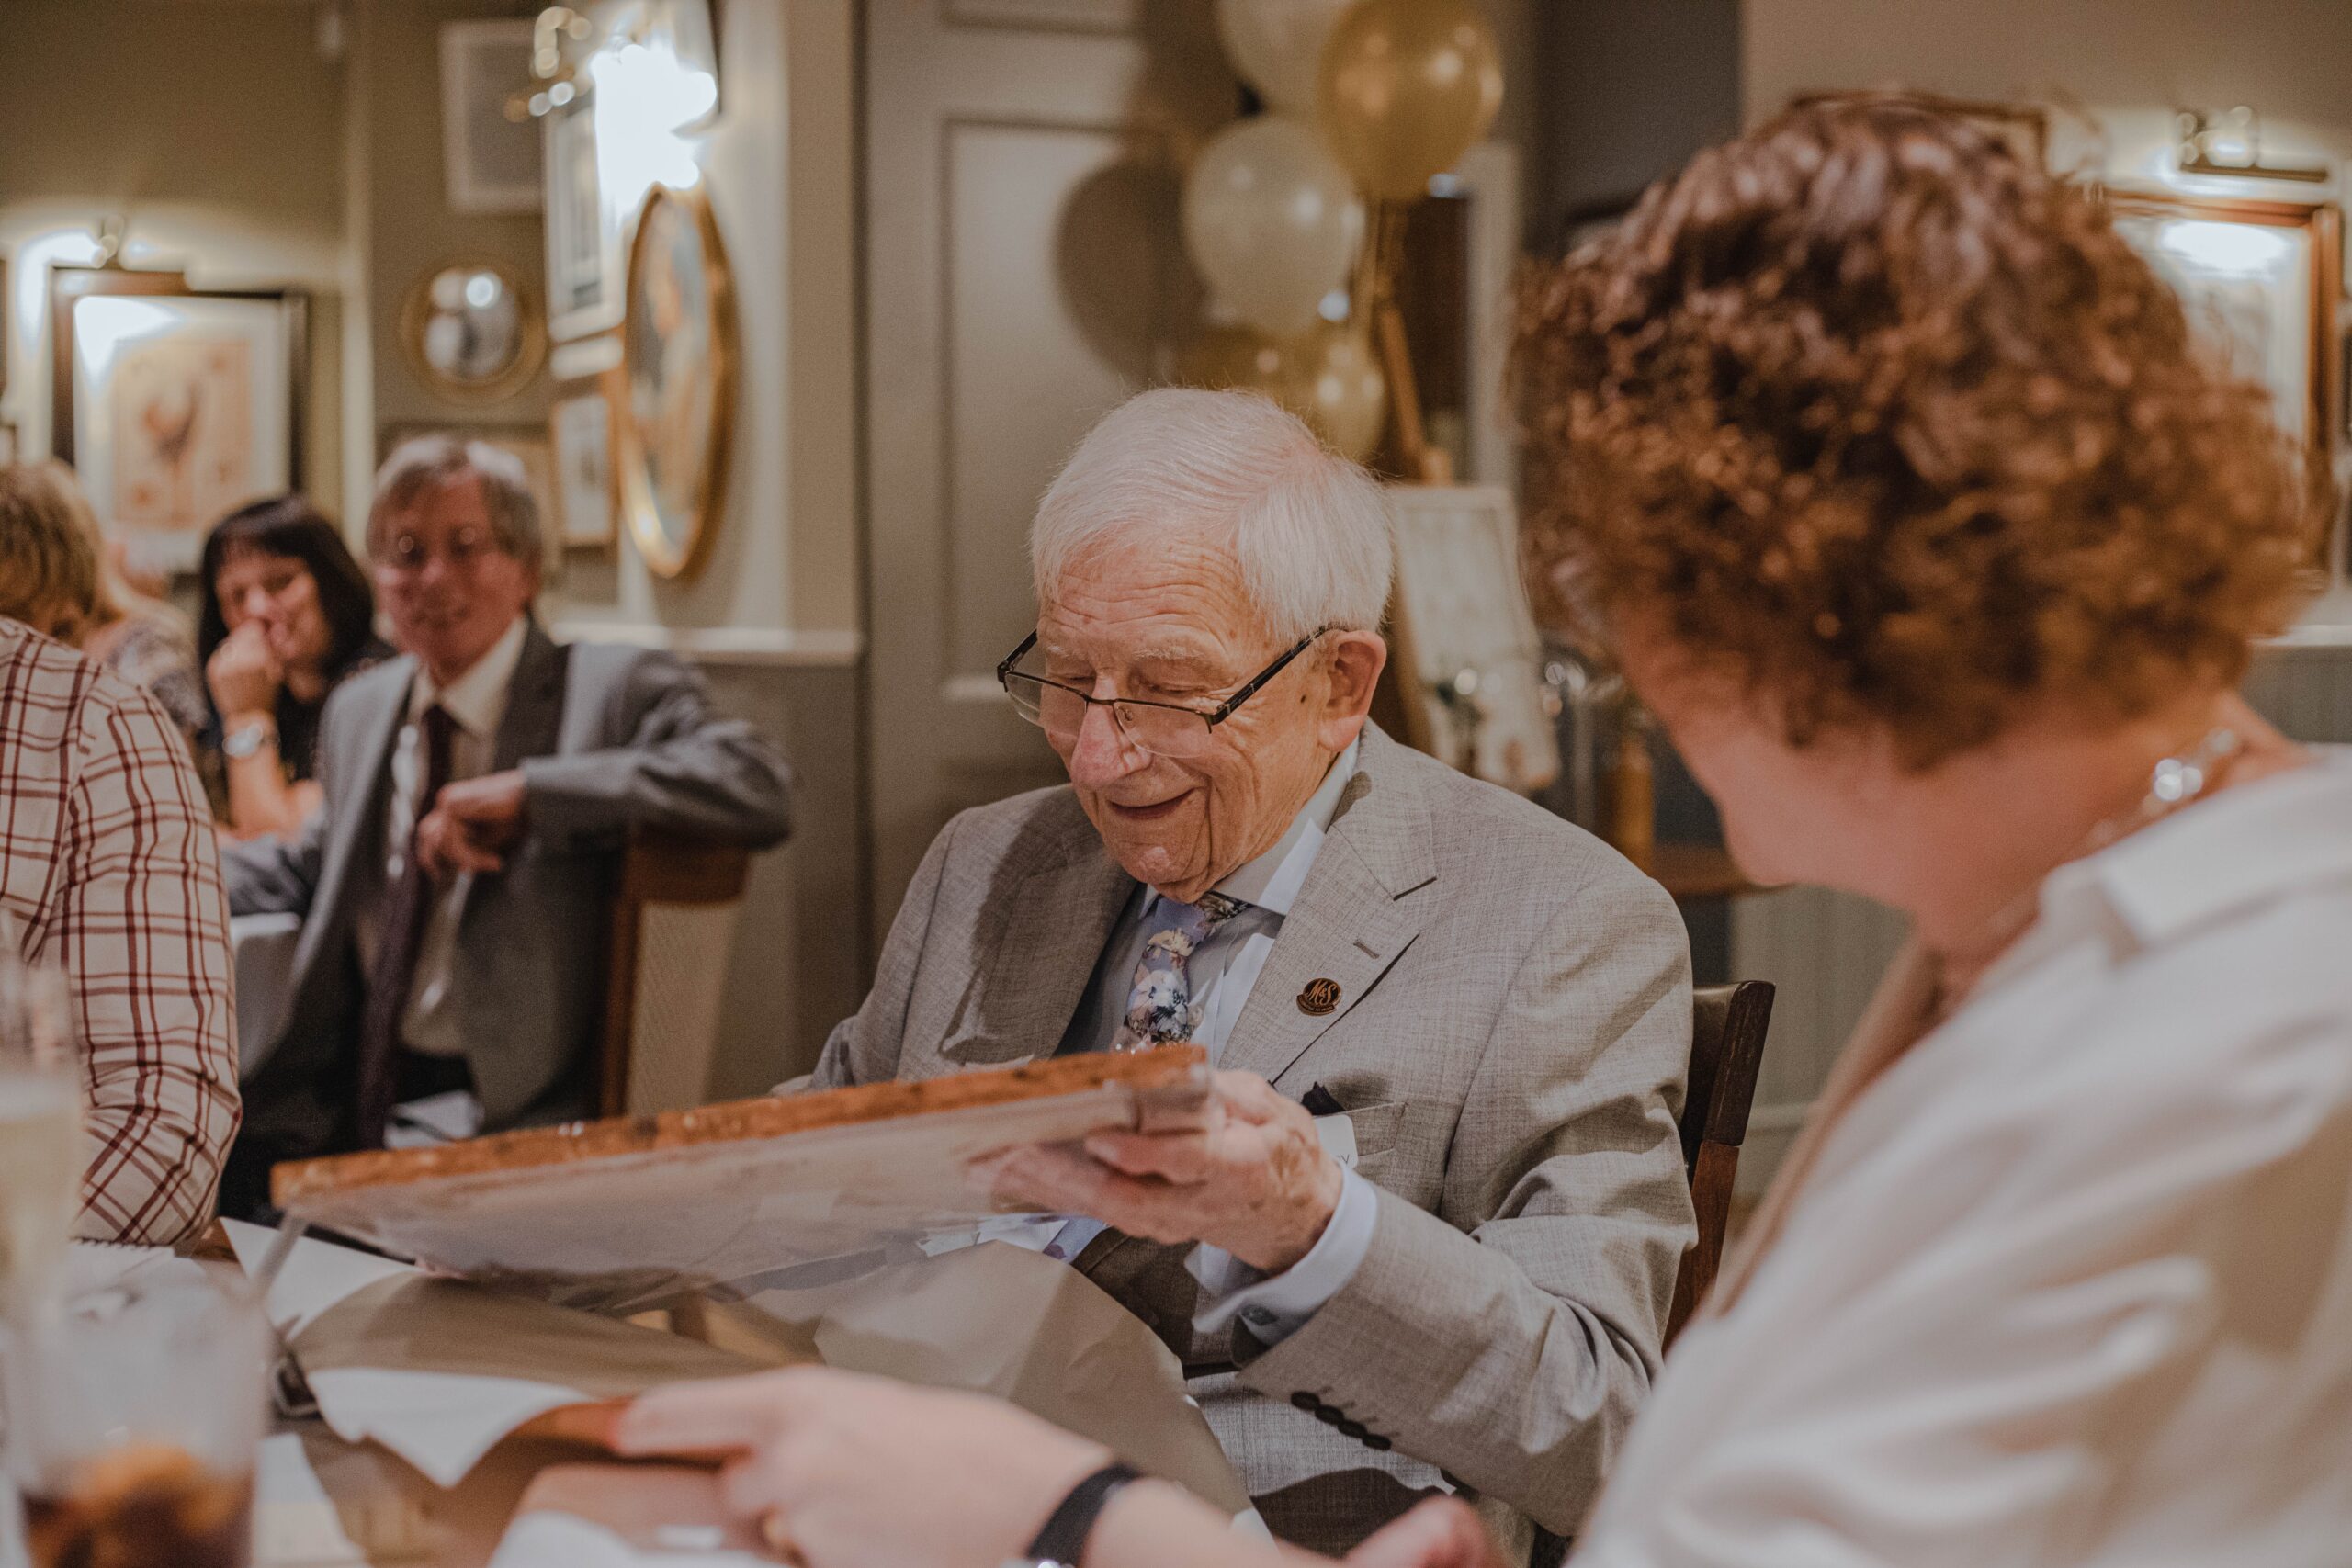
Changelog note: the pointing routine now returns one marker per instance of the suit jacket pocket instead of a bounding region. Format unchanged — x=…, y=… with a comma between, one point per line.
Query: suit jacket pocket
x=1377, y=1127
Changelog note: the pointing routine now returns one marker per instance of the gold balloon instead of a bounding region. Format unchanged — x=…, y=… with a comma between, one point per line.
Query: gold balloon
x=1407, y=88
x=1328, y=375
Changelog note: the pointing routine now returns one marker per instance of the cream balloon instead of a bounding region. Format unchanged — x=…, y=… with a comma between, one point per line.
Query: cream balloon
x=1272, y=221
x=1277, y=46
x=1328, y=375
x=1406, y=87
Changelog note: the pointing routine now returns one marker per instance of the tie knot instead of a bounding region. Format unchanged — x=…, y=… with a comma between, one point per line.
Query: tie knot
x=440, y=725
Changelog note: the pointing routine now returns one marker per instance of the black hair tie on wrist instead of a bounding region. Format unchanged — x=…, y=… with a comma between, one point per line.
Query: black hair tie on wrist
x=1063, y=1539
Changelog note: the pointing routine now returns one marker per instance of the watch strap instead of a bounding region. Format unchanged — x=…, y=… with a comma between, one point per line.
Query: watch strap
x=1063, y=1539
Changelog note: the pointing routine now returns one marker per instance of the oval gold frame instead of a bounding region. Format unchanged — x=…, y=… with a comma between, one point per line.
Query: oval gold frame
x=711, y=485
x=530, y=355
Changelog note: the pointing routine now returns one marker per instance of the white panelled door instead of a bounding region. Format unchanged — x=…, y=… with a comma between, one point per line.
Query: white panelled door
x=1023, y=274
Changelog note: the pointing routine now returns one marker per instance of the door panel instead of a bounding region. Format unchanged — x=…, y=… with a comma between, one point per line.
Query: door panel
x=1023, y=274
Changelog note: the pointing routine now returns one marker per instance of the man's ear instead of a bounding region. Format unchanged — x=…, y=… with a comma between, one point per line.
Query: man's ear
x=1351, y=668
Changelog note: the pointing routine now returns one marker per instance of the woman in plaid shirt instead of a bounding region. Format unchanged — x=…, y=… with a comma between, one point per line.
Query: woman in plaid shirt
x=108, y=867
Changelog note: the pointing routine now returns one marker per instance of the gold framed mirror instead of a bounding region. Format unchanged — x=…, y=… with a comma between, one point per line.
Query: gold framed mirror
x=472, y=329
x=677, y=412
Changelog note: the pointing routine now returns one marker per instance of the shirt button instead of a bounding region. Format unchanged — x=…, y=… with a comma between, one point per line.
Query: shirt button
x=1306, y=1401
x=1355, y=1429
x=1329, y=1416
x=1377, y=1443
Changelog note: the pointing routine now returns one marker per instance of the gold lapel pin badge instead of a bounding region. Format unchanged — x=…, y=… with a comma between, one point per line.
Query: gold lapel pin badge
x=1319, y=998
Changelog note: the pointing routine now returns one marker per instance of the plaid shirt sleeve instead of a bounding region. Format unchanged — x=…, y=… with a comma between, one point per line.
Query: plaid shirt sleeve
x=139, y=923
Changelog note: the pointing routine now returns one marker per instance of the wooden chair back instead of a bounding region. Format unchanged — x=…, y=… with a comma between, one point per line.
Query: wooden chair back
x=1727, y=1029
x=673, y=920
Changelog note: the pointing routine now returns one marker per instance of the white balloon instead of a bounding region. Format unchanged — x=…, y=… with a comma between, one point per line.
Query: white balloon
x=1272, y=221
x=1277, y=46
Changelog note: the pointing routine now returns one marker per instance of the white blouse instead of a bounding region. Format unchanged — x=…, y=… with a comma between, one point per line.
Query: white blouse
x=2071, y=1281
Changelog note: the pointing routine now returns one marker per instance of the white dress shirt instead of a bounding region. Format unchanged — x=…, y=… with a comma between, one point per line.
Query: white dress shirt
x=2071, y=1283
x=475, y=701
x=1221, y=973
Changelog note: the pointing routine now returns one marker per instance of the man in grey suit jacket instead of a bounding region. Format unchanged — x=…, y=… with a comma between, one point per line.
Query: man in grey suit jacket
x=1431, y=1236
x=452, y=887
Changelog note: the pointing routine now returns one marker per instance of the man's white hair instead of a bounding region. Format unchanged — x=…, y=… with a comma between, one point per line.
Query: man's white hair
x=1309, y=529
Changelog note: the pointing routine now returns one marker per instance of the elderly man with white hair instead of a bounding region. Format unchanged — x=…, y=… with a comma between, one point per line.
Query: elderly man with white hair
x=1483, y=1010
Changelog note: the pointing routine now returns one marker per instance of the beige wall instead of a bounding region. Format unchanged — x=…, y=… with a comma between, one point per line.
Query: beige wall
x=216, y=130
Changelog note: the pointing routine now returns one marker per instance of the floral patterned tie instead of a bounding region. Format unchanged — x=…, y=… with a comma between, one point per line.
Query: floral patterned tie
x=1161, y=1010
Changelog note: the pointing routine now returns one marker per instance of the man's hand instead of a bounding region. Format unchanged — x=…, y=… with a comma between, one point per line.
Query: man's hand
x=472, y=824
x=848, y=1472
x=1440, y=1533
x=1256, y=1181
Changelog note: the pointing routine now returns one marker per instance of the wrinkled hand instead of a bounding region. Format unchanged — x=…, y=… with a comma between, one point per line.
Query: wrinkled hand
x=841, y=1469
x=1256, y=1181
x=244, y=674
x=473, y=822
x=1443, y=1532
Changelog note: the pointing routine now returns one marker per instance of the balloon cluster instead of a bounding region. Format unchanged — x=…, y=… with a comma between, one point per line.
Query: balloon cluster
x=1365, y=99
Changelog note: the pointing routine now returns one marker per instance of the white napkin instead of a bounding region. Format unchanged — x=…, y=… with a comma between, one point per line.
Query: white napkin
x=549, y=1539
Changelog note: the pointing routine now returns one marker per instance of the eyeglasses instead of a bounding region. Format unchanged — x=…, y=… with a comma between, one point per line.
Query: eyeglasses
x=407, y=553
x=1164, y=730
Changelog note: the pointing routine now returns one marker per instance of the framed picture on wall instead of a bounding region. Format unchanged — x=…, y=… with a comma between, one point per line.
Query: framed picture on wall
x=580, y=427
x=586, y=262
x=489, y=163
x=677, y=403
x=1468, y=659
x=174, y=404
x=2260, y=280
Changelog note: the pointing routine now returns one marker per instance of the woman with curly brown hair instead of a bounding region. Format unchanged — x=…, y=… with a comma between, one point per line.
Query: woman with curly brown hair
x=1895, y=481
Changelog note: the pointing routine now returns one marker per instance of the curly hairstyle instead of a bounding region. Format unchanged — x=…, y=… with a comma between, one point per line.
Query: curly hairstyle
x=1899, y=433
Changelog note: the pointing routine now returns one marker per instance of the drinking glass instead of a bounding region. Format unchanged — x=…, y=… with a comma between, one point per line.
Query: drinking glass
x=135, y=1413
x=41, y=1130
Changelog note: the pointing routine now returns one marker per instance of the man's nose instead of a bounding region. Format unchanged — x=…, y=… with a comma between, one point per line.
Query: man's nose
x=1103, y=753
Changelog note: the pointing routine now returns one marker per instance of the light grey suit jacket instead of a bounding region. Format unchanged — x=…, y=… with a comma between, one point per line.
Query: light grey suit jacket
x=607, y=737
x=1511, y=1039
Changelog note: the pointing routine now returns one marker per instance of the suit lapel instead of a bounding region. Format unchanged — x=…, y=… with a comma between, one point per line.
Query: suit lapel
x=359, y=820
x=534, y=721
x=1050, y=930
x=1350, y=921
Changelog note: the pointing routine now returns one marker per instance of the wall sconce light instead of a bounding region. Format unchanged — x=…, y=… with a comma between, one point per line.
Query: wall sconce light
x=554, y=27
x=2230, y=145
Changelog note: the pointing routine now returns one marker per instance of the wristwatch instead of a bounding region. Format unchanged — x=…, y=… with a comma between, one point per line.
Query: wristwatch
x=1062, y=1543
x=247, y=739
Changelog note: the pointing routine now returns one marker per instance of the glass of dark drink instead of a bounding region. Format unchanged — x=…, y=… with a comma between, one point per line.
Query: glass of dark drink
x=133, y=1414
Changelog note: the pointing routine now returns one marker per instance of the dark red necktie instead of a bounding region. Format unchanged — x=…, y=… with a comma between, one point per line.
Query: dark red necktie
x=400, y=937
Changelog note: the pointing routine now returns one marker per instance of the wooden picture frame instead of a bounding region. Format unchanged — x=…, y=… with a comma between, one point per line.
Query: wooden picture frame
x=583, y=434
x=174, y=404
x=1468, y=658
x=586, y=265
x=490, y=163
x=677, y=379
x=2024, y=129
x=2262, y=280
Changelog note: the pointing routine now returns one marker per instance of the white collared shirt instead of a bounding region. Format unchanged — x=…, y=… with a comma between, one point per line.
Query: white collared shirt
x=476, y=702
x=2071, y=1281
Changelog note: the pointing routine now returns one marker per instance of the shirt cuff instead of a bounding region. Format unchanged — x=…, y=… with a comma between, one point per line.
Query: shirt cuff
x=1272, y=1307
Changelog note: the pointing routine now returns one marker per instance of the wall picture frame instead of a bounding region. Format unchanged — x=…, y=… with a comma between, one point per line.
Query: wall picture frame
x=1469, y=660
x=174, y=404
x=2261, y=281
x=587, y=482
x=489, y=163
x=587, y=259
x=677, y=402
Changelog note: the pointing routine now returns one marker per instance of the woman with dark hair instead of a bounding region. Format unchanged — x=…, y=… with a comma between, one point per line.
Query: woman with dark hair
x=1901, y=489
x=287, y=617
